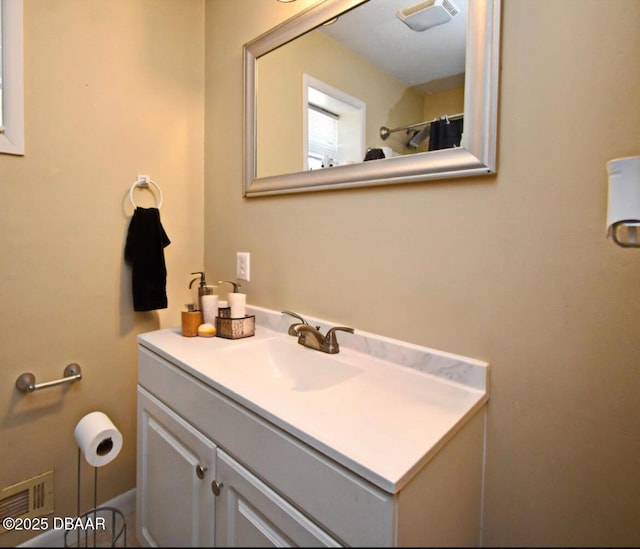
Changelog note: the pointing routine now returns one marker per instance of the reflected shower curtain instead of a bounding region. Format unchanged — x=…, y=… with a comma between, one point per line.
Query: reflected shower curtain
x=445, y=134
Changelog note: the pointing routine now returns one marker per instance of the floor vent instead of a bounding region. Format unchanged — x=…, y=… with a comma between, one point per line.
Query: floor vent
x=27, y=499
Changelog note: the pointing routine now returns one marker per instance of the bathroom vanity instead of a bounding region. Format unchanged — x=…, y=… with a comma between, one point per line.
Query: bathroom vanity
x=263, y=442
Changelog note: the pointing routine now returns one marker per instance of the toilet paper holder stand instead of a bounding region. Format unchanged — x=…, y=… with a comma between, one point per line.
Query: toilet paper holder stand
x=26, y=382
x=117, y=526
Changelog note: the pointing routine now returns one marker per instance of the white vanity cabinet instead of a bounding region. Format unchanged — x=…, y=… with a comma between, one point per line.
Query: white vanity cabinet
x=193, y=494
x=250, y=514
x=216, y=469
x=176, y=465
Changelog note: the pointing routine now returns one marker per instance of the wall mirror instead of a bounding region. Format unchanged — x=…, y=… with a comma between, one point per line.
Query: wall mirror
x=11, y=78
x=328, y=106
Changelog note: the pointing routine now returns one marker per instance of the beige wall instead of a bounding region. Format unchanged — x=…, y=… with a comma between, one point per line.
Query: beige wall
x=446, y=102
x=389, y=102
x=113, y=88
x=513, y=269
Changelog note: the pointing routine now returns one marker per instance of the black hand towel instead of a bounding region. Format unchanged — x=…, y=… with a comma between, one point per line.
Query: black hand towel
x=445, y=134
x=144, y=251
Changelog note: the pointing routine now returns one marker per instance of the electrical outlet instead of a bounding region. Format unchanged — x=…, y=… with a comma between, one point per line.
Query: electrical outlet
x=243, y=270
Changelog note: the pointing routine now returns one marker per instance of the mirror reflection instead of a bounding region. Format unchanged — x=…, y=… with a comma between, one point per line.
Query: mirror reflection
x=286, y=89
x=384, y=79
x=1, y=102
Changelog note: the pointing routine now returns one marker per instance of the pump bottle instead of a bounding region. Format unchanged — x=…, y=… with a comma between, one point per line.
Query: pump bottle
x=203, y=289
x=237, y=301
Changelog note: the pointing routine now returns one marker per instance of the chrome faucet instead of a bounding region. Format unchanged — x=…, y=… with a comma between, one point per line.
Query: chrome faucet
x=312, y=338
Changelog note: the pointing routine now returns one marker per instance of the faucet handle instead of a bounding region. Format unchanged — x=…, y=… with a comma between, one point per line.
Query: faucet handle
x=293, y=327
x=331, y=341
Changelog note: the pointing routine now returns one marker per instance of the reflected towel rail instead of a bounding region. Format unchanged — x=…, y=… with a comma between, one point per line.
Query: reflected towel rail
x=386, y=132
x=26, y=382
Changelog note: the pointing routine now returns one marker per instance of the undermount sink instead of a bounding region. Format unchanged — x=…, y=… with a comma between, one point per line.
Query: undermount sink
x=290, y=365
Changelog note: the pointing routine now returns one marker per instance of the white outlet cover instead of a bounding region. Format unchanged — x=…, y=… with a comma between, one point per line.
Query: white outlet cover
x=243, y=270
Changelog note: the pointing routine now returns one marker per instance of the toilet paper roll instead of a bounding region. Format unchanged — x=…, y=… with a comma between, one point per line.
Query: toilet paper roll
x=624, y=191
x=210, y=308
x=238, y=303
x=98, y=439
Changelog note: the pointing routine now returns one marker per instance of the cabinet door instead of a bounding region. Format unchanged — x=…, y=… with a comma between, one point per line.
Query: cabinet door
x=176, y=464
x=250, y=514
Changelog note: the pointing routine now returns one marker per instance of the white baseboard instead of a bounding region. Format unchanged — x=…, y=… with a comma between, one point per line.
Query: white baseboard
x=125, y=503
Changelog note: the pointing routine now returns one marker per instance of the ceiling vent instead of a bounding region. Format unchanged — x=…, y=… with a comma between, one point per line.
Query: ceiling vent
x=425, y=15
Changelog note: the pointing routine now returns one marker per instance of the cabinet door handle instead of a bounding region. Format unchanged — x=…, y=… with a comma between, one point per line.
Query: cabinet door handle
x=216, y=487
x=200, y=471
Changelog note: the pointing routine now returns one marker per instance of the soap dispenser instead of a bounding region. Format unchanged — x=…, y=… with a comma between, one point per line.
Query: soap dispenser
x=203, y=289
x=237, y=301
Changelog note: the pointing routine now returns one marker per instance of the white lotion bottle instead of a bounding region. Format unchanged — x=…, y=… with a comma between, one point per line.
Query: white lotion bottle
x=237, y=301
x=210, y=306
x=238, y=304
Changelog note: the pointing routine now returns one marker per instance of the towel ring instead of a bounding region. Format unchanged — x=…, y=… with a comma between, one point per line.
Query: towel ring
x=143, y=182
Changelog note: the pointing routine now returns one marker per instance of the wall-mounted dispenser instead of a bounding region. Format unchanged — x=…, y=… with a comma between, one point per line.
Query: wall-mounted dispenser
x=623, y=201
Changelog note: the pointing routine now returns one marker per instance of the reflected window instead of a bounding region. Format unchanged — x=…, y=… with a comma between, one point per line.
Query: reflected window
x=323, y=137
x=1, y=126
x=335, y=125
x=11, y=78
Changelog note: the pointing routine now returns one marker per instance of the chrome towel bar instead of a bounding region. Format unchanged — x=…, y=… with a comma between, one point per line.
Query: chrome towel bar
x=26, y=382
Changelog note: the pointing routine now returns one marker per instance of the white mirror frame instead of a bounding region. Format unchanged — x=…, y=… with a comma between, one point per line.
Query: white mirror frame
x=476, y=156
x=12, y=134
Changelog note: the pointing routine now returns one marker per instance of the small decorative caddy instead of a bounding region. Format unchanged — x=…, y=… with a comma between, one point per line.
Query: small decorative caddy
x=234, y=328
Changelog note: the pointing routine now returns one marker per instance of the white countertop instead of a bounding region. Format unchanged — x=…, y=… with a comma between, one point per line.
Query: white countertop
x=380, y=419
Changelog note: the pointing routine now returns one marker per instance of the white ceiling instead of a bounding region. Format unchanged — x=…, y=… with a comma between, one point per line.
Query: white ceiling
x=432, y=59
